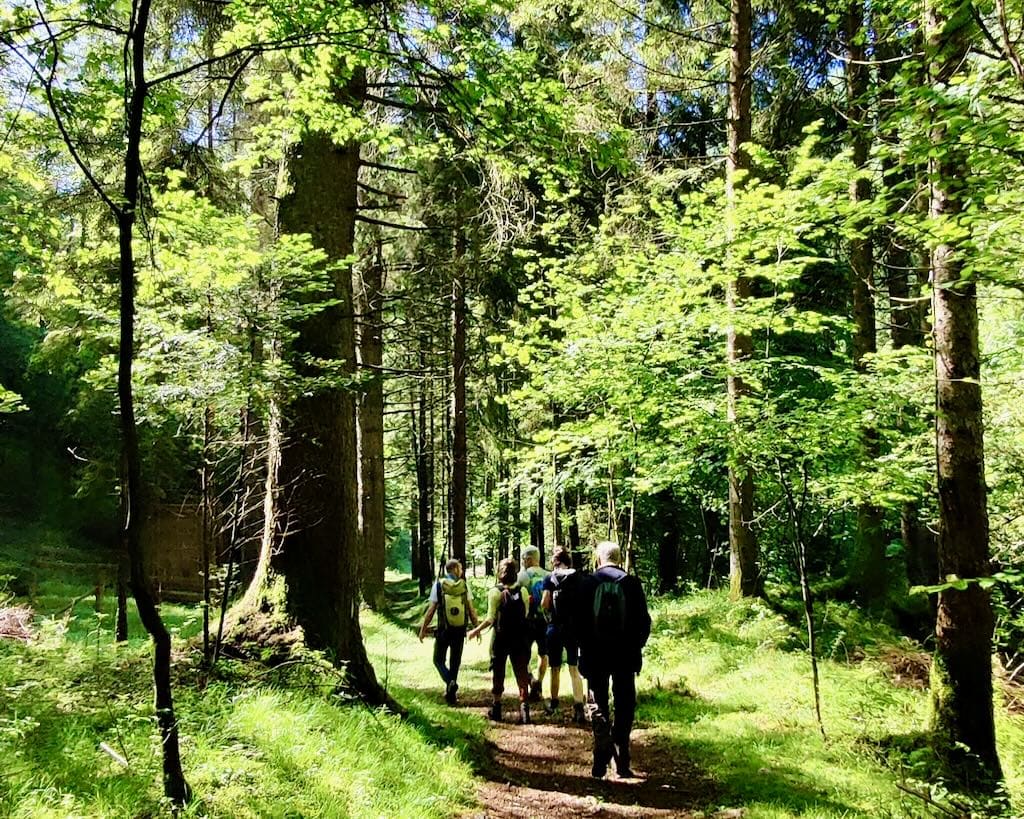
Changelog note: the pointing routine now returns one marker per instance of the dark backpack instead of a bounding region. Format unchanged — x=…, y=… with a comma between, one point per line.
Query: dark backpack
x=511, y=622
x=564, y=589
x=610, y=613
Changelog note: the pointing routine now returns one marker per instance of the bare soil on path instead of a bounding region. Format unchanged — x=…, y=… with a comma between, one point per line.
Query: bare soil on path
x=543, y=770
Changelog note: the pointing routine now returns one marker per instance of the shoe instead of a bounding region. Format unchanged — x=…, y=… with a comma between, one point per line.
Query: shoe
x=600, y=766
x=577, y=714
x=551, y=707
x=450, y=696
x=622, y=762
x=535, y=691
x=495, y=712
x=524, y=713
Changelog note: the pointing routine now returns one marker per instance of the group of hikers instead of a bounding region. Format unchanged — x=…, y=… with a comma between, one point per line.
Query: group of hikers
x=598, y=620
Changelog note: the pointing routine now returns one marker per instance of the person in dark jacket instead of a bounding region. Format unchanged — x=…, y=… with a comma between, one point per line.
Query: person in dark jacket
x=613, y=625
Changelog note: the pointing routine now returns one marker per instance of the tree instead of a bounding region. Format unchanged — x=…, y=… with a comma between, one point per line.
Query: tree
x=744, y=573
x=962, y=667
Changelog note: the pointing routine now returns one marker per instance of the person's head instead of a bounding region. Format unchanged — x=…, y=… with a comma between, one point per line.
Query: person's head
x=508, y=571
x=608, y=553
x=562, y=559
x=454, y=568
x=531, y=557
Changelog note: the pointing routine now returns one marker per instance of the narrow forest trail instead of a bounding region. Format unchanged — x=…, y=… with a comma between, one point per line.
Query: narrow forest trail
x=543, y=769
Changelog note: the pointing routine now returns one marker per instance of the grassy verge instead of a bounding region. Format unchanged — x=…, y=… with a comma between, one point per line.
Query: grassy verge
x=255, y=742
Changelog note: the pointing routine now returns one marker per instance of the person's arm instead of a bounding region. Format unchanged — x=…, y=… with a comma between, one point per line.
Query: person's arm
x=481, y=627
x=426, y=620
x=546, y=602
x=493, y=597
x=470, y=609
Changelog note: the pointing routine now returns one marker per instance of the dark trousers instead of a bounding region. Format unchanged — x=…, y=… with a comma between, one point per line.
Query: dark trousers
x=449, y=640
x=519, y=655
x=623, y=686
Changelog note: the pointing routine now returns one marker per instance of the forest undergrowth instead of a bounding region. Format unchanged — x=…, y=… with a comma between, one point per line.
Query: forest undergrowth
x=725, y=691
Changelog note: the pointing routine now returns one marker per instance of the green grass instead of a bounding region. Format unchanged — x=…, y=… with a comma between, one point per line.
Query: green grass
x=726, y=686
x=255, y=742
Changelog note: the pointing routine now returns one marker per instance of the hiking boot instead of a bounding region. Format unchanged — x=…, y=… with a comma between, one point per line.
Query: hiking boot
x=495, y=712
x=535, y=691
x=622, y=766
x=524, y=713
x=577, y=714
x=601, y=759
x=450, y=693
x=551, y=707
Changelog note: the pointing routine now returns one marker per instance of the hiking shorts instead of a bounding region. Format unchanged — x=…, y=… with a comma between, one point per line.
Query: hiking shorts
x=557, y=640
x=537, y=632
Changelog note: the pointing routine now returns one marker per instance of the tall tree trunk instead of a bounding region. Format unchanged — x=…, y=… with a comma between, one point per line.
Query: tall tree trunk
x=175, y=787
x=744, y=572
x=537, y=526
x=962, y=667
x=517, y=516
x=458, y=420
x=424, y=481
x=868, y=567
x=371, y=426
x=318, y=555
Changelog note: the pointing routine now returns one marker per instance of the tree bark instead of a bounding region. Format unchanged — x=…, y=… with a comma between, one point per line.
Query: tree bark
x=424, y=483
x=459, y=448
x=371, y=439
x=962, y=666
x=744, y=572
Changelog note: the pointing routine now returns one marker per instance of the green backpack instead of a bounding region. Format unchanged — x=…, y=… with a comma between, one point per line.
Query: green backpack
x=451, y=598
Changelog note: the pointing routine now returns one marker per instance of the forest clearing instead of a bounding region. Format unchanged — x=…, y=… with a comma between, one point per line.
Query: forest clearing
x=665, y=359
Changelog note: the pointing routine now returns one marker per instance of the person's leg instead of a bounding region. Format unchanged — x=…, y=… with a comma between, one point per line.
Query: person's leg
x=440, y=652
x=458, y=641
x=521, y=668
x=497, y=680
x=624, y=688
x=538, y=634
x=572, y=659
x=603, y=748
x=555, y=658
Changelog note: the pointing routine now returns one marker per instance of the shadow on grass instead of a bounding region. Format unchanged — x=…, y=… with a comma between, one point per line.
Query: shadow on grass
x=750, y=773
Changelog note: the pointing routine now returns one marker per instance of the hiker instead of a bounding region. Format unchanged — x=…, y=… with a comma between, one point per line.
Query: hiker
x=613, y=625
x=506, y=610
x=449, y=597
x=531, y=578
x=561, y=589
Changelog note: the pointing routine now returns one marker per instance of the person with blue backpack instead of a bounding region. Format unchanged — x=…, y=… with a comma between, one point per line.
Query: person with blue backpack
x=612, y=625
x=532, y=578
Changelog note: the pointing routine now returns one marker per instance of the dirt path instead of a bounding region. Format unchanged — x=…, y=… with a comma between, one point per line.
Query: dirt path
x=543, y=770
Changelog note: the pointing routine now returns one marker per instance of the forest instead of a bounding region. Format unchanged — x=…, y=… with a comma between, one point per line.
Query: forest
x=303, y=300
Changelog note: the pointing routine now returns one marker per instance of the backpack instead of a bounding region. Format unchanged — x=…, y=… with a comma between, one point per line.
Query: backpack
x=610, y=612
x=511, y=621
x=536, y=590
x=451, y=598
x=563, y=596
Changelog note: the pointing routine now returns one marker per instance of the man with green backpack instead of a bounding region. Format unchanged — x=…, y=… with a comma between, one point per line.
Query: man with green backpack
x=613, y=625
x=450, y=598
x=531, y=579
